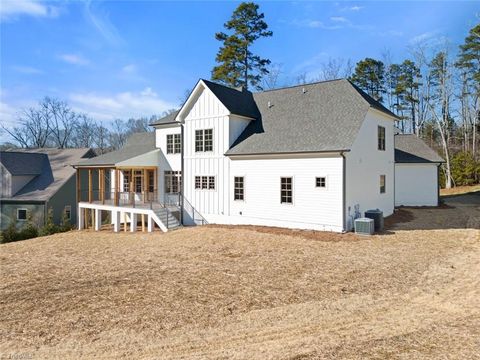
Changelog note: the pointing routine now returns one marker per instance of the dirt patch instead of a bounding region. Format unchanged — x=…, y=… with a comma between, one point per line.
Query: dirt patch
x=460, y=190
x=233, y=293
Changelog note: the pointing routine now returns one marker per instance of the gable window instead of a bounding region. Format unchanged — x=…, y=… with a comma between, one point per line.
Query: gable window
x=204, y=140
x=238, y=188
x=22, y=214
x=286, y=190
x=205, y=182
x=67, y=211
x=321, y=182
x=382, y=184
x=173, y=181
x=174, y=144
x=381, y=138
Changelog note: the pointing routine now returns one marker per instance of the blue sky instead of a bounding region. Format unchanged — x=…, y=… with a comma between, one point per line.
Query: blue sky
x=117, y=59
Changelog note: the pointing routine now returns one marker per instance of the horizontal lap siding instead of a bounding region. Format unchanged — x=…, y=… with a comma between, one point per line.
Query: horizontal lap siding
x=416, y=185
x=311, y=205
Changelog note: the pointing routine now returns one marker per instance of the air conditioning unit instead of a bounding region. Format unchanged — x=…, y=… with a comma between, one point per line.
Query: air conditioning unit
x=364, y=226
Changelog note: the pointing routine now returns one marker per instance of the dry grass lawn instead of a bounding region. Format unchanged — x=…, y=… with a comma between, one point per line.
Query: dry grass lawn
x=242, y=293
x=460, y=190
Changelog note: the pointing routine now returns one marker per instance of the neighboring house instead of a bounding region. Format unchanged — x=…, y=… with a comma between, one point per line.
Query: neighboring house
x=416, y=172
x=312, y=156
x=35, y=180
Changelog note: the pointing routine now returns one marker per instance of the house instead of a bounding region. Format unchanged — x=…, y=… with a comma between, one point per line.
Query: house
x=313, y=156
x=36, y=180
x=417, y=169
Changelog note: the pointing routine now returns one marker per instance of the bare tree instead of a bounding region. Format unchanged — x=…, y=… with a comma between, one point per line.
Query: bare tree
x=270, y=80
x=63, y=121
x=118, y=134
x=85, y=132
x=332, y=69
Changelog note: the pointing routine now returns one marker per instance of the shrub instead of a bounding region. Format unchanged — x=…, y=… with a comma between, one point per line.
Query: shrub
x=465, y=170
x=49, y=228
x=10, y=234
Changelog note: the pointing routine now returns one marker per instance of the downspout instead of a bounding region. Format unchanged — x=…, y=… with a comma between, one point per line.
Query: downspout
x=438, y=184
x=344, y=192
x=183, y=174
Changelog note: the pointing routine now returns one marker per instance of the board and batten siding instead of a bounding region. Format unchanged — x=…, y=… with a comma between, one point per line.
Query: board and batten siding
x=312, y=207
x=416, y=185
x=167, y=162
x=364, y=165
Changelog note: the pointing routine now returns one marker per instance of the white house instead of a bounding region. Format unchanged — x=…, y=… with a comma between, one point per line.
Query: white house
x=313, y=156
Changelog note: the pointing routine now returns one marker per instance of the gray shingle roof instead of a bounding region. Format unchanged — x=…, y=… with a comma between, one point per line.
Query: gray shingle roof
x=22, y=163
x=409, y=148
x=323, y=116
x=170, y=118
x=137, y=144
x=56, y=170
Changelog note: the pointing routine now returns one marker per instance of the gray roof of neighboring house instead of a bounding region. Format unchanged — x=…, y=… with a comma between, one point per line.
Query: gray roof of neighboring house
x=22, y=163
x=56, y=170
x=409, y=148
x=323, y=116
x=170, y=118
x=137, y=144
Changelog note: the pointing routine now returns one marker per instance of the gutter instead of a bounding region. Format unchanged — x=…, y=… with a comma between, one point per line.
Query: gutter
x=290, y=153
x=182, y=173
x=344, y=192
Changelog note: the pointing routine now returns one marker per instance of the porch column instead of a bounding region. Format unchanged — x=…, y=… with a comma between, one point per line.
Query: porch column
x=98, y=219
x=116, y=220
x=150, y=223
x=78, y=186
x=81, y=218
x=133, y=222
x=117, y=186
x=90, y=194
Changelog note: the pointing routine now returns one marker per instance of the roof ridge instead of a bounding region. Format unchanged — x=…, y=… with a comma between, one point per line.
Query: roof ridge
x=299, y=85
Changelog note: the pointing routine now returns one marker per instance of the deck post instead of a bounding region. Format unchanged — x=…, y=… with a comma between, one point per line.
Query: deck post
x=92, y=214
x=150, y=223
x=133, y=222
x=78, y=186
x=98, y=219
x=81, y=218
x=116, y=220
x=143, y=222
x=125, y=221
x=90, y=185
x=117, y=185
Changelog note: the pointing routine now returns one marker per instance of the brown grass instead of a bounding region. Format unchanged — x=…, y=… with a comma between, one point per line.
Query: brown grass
x=242, y=293
x=460, y=190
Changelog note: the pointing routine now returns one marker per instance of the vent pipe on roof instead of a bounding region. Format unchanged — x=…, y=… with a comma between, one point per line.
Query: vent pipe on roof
x=269, y=104
x=304, y=90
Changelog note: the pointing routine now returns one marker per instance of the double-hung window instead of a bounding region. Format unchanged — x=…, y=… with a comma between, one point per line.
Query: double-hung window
x=381, y=138
x=173, y=181
x=174, y=144
x=238, y=188
x=204, y=140
x=205, y=182
x=286, y=190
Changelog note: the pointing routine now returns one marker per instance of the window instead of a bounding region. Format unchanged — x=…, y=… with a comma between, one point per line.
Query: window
x=203, y=140
x=382, y=184
x=173, y=181
x=126, y=181
x=321, y=182
x=381, y=138
x=138, y=177
x=238, y=188
x=22, y=214
x=151, y=181
x=286, y=193
x=67, y=211
x=205, y=182
x=174, y=144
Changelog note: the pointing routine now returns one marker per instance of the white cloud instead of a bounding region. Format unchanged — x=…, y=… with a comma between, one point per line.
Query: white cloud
x=315, y=24
x=28, y=70
x=130, y=69
x=74, y=59
x=339, y=19
x=121, y=105
x=8, y=114
x=422, y=37
x=12, y=9
x=102, y=23
x=353, y=8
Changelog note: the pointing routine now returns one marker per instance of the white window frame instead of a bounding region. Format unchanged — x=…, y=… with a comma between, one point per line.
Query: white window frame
x=293, y=191
x=384, y=184
x=243, y=177
x=202, y=139
x=321, y=187
x=26, y=214
x=384, y=144
x=175, y=145
x=69, y=208
x=207, y=178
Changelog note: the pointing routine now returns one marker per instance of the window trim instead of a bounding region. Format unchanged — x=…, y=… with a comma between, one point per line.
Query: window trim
x=381, y=142
x=203, y=140
x=292, y=190
x=176, y=140
x=26, y=214
x=325, y=182
x=384, y=177
x=243, y=189
x=69, y=207
x=171, y=175
x=204, y=180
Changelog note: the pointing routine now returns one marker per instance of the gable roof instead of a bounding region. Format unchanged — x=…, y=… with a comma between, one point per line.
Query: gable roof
x=55, y=170
x=168, y=119
x=409, y=148
x=318, y=117
x=22, y=163
x=137, y=144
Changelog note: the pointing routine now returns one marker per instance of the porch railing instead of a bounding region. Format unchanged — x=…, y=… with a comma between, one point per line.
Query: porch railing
x=145, y=199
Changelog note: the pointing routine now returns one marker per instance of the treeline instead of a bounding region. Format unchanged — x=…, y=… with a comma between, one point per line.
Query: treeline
x=53, y=123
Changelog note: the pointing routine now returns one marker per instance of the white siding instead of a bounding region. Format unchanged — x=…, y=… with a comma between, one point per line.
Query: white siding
x=167, y=162
x=207, y=113
x=416, y=185
x=312, y=208
x=365, y=164
x=237, y=125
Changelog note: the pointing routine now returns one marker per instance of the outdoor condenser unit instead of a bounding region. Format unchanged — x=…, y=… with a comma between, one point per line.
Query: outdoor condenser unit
x=364, y=226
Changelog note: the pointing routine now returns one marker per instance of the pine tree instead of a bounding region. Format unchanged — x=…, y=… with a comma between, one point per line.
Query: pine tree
x=238, y=66
x=407, y=86
x=469, y=56
x=369, y=75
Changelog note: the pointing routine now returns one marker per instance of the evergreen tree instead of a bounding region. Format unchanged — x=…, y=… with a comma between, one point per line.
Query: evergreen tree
x=369, y=75
x=469, y=56
x=238, y=66
x=407, y=87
